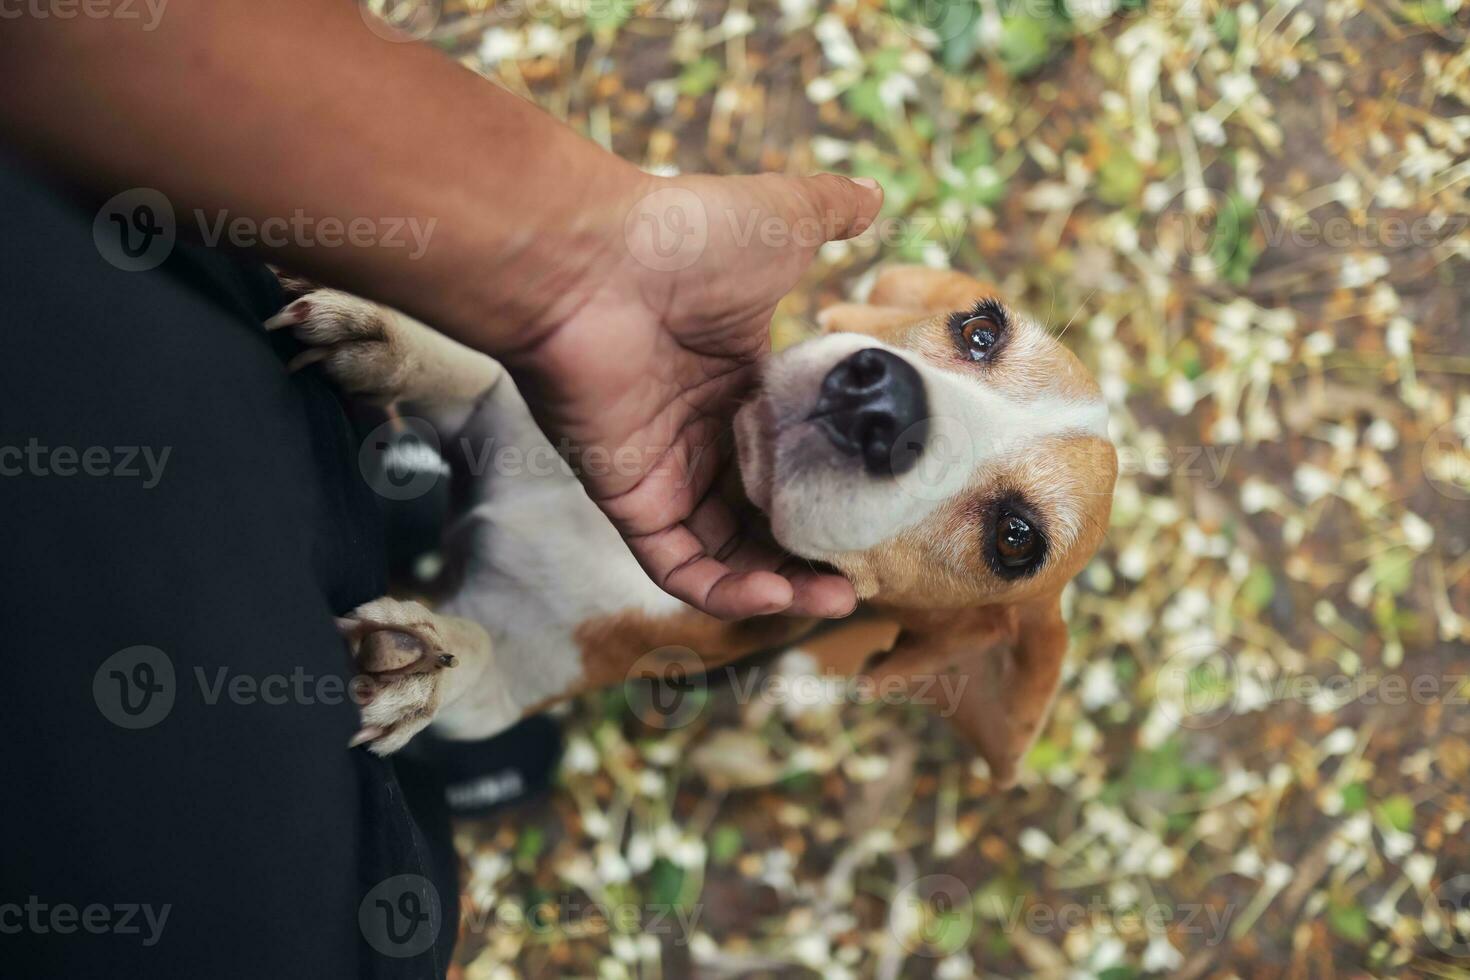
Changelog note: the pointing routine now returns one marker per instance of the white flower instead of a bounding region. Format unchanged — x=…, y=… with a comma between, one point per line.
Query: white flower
x=1419, y=868
x=1160, y=956
x=640, y=853
x=580, y=756
x=1417, y=532
x=497, y=45
x=737, y=23
x=1035, y=843
x=1340, y=742
x=1313, y=483
x=1099, y=685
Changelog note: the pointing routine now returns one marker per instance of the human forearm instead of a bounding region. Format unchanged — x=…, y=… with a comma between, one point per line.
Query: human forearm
x=267, y=108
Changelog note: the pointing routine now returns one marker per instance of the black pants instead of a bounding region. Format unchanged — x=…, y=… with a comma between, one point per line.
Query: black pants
x=181, y=520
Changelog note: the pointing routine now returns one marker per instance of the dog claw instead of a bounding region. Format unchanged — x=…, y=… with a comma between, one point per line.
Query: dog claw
x=307, y=358
x=293, y=314
x=365, y=736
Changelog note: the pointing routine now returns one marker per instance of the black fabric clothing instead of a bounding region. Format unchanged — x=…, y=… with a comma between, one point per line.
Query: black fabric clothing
x=277, y=852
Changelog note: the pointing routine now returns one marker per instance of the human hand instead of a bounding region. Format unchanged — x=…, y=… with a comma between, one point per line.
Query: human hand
x=647, y=357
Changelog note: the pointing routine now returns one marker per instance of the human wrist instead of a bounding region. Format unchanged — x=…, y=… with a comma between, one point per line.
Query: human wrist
x=544, y=252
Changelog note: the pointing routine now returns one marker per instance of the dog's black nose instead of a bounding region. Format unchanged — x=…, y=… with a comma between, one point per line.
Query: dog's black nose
x=873, y=404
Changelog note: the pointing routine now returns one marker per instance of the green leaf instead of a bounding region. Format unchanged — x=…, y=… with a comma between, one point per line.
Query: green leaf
x=1159, y=770
x=609, y=16
x=961, y=38
x=864, y=102
x=1349, y=921
x=666, y=883
x=1398, y=812
x=1024, y=44
x=1429, y=12
x=699, y=77
x=529, y=844
x=1233, y=247
x=1202, y=779
x=1354, y=798
x=1227, y=27
x=1257, y=589
x=885, y=62
x=975, y=150
x=1393, y=570
x=1044, y=756
x=948, y=932
x=726, y=844
x=1120, y=177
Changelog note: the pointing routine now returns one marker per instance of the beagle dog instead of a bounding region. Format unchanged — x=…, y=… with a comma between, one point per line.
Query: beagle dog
x=941, y=450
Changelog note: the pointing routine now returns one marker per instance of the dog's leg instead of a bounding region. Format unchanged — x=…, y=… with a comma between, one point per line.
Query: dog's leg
x=378, y=353
x=411, y=663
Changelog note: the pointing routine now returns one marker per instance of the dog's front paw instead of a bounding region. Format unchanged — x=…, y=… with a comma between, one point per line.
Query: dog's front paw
x=401, y=655
x=357, y=342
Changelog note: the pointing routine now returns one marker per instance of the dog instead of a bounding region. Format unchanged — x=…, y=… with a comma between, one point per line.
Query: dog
x=938, y=448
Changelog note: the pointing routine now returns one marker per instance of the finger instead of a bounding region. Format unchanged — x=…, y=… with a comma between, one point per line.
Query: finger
x=814, y=593
x=677, y=562
x=846, y=206
x=671, y=488
x=821, y=594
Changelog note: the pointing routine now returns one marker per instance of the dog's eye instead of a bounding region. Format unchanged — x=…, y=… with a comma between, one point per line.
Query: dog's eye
x=980, y=334
x=1016, y=543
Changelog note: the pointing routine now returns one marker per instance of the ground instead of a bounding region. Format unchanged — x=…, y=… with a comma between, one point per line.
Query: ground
x=1252, y=222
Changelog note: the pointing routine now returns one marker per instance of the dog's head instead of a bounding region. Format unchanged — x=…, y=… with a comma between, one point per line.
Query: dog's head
x=952, y=459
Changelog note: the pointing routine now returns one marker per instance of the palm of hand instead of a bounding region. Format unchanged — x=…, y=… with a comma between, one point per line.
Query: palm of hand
x=645, y=374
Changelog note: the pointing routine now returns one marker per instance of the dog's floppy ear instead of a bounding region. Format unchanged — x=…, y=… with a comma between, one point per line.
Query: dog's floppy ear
x=992, y=672
x=903, y=295
x=1009, y=697
x=874, y=321
x=920, y=289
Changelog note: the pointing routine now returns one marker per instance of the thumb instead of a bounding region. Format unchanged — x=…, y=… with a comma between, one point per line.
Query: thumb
x=844, y=206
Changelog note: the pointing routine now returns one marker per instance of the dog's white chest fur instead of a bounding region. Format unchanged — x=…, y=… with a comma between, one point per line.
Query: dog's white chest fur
x=539, y=560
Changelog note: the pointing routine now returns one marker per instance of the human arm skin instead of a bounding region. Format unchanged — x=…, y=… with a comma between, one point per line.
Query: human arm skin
x=268, y=107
